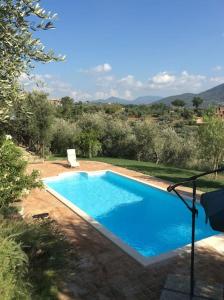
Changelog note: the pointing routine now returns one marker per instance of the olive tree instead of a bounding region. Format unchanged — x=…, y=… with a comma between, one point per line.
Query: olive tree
x=19, y=48
x=118, y=139
x=178, y=103
x=89, y=144
x=67, y=107
x=19, y=20
x=92, y=128
x=64, y=136
x=144, y=140
x=211, y=140
x=31, y=125
x=197, y=101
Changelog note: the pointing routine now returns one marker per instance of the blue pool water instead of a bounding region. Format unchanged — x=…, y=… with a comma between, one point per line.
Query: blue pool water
x=149, y=220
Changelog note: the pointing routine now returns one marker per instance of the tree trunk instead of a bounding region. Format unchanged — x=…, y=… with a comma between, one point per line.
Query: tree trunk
x=90, y=152
x=157, y=158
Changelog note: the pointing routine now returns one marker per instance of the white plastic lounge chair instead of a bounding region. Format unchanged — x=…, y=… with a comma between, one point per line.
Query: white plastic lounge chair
x=71, y=156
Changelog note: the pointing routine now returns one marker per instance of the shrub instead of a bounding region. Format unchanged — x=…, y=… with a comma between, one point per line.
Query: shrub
x=93, y=122
x=211, y=139
x=32, y=122
x=14, y=181
x=144, y=140
x=118, y=139
x=33, y=256
x=47, y=250
x=88, y=143
x=64, y=136
x=13, y=262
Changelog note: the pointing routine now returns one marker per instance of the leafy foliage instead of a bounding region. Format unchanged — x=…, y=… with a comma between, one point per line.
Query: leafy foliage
x=32, y=121
x=89, y=144
x=67, y=107
x=178, y=103
x=64, y=136
x=162, y=135
x=143, y=146
x=13, y=261
x=19, y=20
x=14, y=181
x=26, y=250
x=32, y=257
x=211, y=139
x=29, y=118
x=197, y=101
x=118, y=138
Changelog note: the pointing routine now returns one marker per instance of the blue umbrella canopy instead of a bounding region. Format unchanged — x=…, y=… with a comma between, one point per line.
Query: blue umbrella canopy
x=213, y=204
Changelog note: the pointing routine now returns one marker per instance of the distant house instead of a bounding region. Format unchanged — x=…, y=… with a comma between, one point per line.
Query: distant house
x=55, y=102
x=220, y=111
x=199, y=121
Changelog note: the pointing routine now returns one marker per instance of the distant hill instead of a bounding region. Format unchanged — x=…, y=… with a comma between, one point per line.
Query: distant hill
x=112, y=100
x=187, y=97
x=137, y=101
x=214, y=95
x=145, y=100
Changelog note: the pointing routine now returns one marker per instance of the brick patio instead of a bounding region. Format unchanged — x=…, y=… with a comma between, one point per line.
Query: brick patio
x=100, y=270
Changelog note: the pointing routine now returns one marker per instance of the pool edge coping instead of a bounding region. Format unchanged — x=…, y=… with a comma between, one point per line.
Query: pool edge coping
x=144, y=261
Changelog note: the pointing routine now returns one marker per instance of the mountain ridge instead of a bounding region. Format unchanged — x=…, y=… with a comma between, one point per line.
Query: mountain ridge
x=214, y=95
x=139, y=100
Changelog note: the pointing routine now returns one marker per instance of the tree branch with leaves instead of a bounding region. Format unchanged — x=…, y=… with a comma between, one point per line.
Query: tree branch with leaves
x=19, y=48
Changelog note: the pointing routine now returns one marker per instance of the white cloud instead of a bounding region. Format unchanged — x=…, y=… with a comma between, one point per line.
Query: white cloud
x=100, y=95
x=183, y=82
x=163, y=78
x=217, y=68
x=107, y=85
x=104, y=68
x=163, y=83
x=48, y=76
x=111, y=86
x=217, y=80
x=105, y=81
x=54, y=86
x=108, y=78
x=196, y=80
x=113, y=93
x=130, y=81
x=106, y=94
x=23, y=77
x=24, y=80
x=79, y=95
x=128, y=94
x=32, y=80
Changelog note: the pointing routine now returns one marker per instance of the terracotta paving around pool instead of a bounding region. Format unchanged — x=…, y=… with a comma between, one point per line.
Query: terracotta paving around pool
x=101, y=270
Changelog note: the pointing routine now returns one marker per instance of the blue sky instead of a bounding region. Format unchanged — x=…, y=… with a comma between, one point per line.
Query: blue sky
x=130, y=48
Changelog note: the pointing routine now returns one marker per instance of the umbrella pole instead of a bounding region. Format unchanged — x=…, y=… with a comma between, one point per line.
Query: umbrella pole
x=194, y=212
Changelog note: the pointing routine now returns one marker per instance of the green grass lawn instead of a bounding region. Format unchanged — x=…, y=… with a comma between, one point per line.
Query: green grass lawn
x=168, y=173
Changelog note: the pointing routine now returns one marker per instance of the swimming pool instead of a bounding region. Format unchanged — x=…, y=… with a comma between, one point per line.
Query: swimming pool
x=145, y=221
